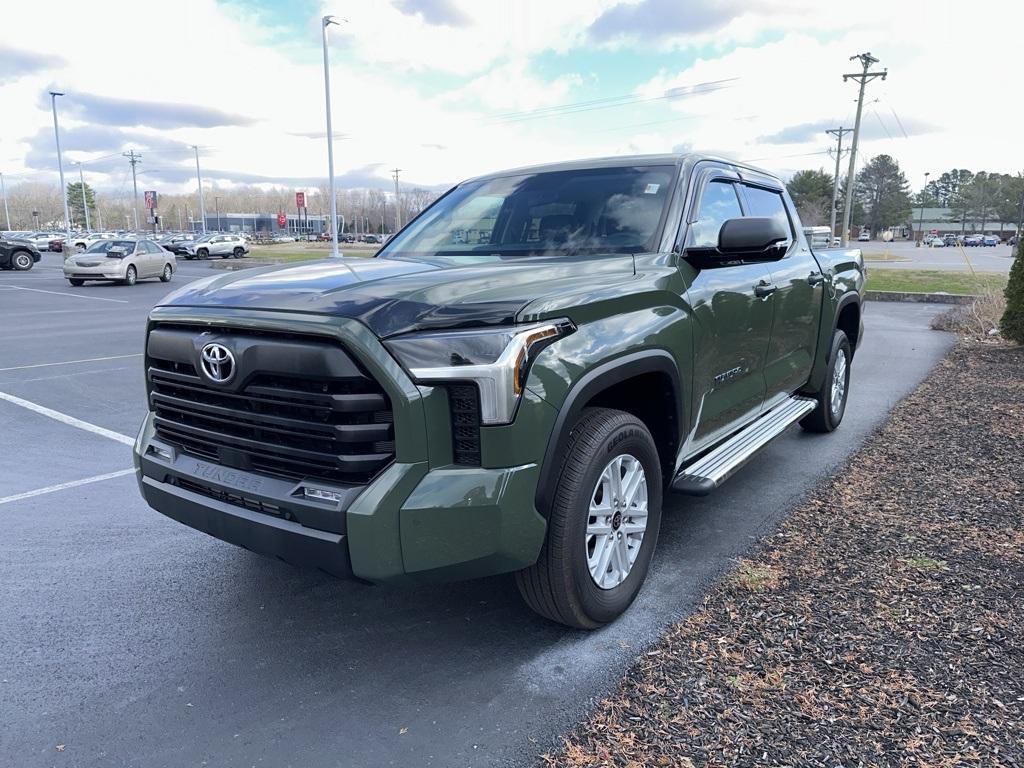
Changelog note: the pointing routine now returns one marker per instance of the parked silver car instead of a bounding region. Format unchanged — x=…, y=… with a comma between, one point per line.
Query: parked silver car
x=122, y=261
x=224, y=246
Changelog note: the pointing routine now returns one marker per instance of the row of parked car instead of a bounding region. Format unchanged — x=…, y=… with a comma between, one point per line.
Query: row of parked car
x=970, y=241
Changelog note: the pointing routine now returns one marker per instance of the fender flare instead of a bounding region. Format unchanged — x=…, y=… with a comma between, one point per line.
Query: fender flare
x=850, y=297
x=591, y=383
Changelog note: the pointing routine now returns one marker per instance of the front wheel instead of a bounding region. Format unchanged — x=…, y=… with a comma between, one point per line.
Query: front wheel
x=202, y=253
x=165, y=276
x=603, y=523
x=76, y=282
x=130, y=276
x=828, y=413
x=22, y=261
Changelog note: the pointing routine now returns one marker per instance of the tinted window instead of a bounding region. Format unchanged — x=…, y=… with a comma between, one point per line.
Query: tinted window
x=718, y=203
x=765, y=202
x=590, y=210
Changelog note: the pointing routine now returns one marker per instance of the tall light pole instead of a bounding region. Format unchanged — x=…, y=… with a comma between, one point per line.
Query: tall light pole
x=3, y=191
x=85, y=205
x=864, y=77
x=133, y=160
x=60, y=165
x=199, y=179
x=920, y=219
x=216, y=202
x=325, y=22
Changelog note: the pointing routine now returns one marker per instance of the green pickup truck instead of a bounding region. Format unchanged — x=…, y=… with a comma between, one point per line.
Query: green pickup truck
x=511, y=385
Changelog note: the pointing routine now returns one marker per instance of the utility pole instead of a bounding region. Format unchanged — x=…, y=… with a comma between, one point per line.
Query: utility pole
x=838, y=133
x=199, y=179
x=60, y=166
x=216, y=202
x=864, y=77
x=3, y=191
x=85, y=204
x=398, y=205
x=133, y=160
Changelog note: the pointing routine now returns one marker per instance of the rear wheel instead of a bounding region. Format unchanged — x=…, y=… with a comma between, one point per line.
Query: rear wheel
x=238, y=253
x=603, y=523
x=22, y=261
x=828, y=413
x=76, y=282
x=131, y=276
x=165, y=276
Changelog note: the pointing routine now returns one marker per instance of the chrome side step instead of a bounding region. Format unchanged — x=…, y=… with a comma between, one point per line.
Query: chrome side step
x=714, y=468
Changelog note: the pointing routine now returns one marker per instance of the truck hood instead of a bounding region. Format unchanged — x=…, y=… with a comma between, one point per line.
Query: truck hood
x=393, y=296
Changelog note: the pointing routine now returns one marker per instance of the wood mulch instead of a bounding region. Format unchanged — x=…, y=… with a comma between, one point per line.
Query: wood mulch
x=882, y=625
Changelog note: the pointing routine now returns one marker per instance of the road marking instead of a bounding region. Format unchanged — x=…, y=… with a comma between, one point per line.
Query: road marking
x=69, y=420
x=64, y=486
x=70, y=362
x=62, y=293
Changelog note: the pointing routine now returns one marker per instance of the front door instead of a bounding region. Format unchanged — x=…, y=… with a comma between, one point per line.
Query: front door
x=799, y=287
x=732, y=324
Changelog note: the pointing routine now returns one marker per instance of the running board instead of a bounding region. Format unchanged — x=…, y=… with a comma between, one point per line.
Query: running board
x=714, y=468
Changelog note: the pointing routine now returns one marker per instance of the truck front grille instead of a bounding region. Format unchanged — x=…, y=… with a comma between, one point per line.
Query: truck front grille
x=301, y=407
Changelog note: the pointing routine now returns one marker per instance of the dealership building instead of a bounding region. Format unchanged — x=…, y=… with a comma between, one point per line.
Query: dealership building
x=261, y=223
x=944, y=221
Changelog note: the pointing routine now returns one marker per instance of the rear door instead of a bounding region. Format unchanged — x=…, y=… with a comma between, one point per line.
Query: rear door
x=733, y=323
x=799, y=286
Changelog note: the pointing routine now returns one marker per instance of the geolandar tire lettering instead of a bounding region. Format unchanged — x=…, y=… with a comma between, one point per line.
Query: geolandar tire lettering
x=603, y=523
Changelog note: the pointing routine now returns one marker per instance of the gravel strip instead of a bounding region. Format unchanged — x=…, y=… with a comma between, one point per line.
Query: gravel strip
x=882, y=625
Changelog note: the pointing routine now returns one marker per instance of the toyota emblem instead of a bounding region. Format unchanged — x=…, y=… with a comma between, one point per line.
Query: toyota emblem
x=218, y=362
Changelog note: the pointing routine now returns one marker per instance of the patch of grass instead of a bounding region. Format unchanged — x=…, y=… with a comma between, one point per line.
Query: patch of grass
x=305, y=252
x=883, y=256
x=923, y=563
x=754, y=578
x=933, y=281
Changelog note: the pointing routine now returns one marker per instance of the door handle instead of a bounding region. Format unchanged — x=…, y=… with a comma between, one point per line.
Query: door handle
x=815, y=278
x=764, y=289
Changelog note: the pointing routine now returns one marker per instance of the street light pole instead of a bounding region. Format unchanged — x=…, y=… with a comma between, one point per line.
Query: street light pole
x=325, y=22
x=920, y=219
x=85, y=205
x=60, y=165
x=199, y=179
x=3, y=191
x=216, y=202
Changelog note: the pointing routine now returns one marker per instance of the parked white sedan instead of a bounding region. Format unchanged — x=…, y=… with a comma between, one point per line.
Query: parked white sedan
x=121, y=261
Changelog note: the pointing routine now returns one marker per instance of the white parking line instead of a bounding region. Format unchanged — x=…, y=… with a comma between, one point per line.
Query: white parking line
x=62, y=293
x=63, y=486
x=70, y=362
x=69, y=420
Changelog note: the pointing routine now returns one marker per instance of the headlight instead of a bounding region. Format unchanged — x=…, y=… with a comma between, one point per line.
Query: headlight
x=497, y=360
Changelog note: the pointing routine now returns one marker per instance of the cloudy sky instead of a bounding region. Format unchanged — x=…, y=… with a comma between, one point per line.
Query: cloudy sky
x=445, y=89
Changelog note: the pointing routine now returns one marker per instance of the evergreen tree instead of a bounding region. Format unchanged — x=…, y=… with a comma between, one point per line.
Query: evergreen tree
x=75, y=203
x=1012, y=323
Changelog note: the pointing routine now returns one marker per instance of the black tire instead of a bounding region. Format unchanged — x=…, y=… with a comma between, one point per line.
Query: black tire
x=22, y=261
x=202, y=253
x=165, y=276
x=238, y=253
x=131, y=276
x=76, y=282
x=559, y=585
x=825, y=418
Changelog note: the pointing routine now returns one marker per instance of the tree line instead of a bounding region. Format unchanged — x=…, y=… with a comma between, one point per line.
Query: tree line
x=883, y=198
x=369, y=210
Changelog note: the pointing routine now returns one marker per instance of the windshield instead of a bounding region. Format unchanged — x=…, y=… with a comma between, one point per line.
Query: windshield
x=104, y=246
x=593, y=210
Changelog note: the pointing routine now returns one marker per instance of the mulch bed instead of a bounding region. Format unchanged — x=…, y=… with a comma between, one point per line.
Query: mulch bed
x=882, y=625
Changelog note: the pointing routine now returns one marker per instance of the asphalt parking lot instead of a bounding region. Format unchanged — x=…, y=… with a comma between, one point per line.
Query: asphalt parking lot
x=908, y=256
x=130, y=640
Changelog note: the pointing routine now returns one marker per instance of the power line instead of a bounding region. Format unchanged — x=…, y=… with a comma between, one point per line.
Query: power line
x=881, y=123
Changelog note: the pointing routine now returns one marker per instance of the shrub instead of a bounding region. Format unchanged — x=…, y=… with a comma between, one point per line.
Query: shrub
x=1012, y=324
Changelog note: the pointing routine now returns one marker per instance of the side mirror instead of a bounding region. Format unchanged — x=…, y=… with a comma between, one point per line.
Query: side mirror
x=747, y=239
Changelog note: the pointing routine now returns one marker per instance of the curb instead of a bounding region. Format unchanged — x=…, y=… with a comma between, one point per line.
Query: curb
x=919, y=298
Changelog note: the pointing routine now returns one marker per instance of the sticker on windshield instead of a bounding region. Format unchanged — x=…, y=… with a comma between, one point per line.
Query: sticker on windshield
x=652, y=189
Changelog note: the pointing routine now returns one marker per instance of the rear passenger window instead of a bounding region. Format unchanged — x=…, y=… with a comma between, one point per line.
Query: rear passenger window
x=718, y=204
x=765, y=202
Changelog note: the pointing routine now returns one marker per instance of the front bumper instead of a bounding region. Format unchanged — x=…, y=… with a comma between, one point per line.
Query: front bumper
x=101, y=271
x=422, y=519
